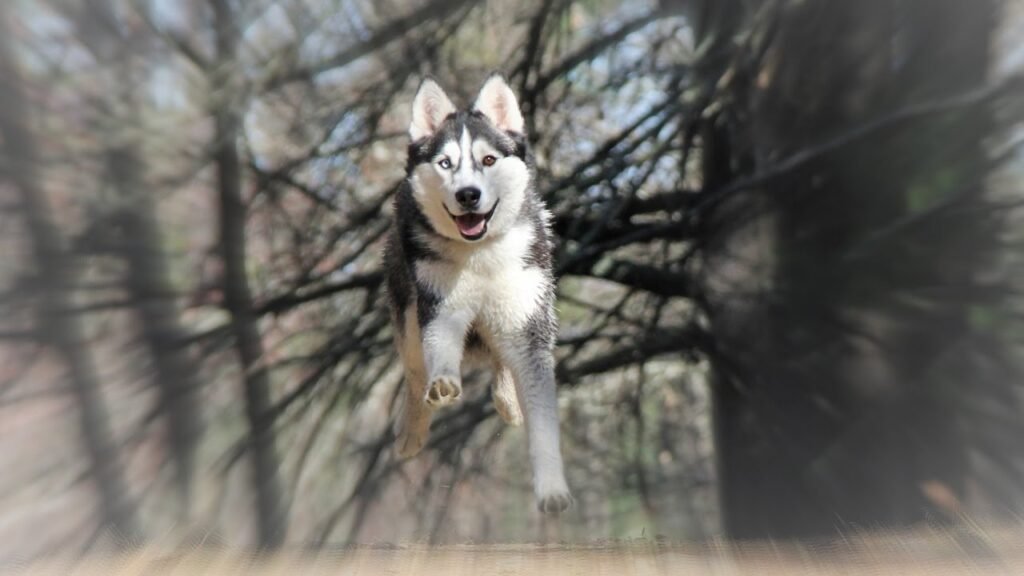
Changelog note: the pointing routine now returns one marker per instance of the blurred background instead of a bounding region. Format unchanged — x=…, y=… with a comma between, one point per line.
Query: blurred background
x=789, y=249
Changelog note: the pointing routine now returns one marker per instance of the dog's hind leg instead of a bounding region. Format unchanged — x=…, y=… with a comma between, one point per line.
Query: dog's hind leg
x=503, y=392
x=414, y=424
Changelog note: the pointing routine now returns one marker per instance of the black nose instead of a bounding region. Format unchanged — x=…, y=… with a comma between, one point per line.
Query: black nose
x=468, y=197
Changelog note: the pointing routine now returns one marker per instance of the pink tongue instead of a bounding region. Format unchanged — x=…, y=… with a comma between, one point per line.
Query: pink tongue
x=470, y=224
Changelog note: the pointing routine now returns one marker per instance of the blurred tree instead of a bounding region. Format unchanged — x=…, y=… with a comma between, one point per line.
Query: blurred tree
x=228, y=111
x=844, y=413
x=54, y=279
x=134, y=235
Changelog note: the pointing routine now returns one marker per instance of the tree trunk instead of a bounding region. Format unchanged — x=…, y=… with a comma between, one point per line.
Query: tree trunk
x=59, y=326
x=843, y=419
x=139, y=245
x=237, y=295
x=148, y=282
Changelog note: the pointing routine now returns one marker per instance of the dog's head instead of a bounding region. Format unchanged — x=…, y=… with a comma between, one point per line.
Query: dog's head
x=468, y=169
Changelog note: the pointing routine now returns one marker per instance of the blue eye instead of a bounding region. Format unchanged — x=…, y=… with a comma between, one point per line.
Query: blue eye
x=445, y=163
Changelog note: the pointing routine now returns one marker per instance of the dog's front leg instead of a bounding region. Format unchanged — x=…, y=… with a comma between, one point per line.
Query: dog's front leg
x=533, y=369
x=444, y=337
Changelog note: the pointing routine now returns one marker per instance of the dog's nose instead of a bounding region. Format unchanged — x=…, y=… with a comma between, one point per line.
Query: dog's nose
x=468, y=197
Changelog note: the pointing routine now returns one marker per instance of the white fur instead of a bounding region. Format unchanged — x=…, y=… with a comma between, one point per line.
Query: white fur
x=486, y=281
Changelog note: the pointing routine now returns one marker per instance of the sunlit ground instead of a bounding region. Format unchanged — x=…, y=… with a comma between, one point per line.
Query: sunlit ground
x=936, y=550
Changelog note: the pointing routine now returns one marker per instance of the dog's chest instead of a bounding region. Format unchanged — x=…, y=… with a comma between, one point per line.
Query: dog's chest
x=493, y=280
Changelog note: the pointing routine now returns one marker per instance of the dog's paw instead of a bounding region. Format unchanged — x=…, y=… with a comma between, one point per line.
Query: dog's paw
x=409, y=443
x=553, y=497
x=443, y=390
x=555, y=503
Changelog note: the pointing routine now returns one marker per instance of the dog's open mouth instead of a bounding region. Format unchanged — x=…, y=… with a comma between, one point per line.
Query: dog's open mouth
x=473, y=226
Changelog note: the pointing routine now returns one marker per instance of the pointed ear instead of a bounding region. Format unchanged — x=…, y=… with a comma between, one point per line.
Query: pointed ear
x=429, y=109
x=498, y=102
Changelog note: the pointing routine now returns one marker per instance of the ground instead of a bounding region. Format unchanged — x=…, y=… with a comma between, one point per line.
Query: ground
x=928, y=551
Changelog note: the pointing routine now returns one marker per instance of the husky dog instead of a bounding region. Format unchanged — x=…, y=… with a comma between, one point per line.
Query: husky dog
x=469, y=274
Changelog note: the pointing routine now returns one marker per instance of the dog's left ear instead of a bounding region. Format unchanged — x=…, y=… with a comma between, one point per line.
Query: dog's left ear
x=498, y=102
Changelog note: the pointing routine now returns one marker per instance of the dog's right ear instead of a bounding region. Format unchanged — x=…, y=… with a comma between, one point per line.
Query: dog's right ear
x=429, y=109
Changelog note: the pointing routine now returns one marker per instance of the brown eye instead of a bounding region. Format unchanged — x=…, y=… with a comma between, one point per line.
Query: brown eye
x=489, y=160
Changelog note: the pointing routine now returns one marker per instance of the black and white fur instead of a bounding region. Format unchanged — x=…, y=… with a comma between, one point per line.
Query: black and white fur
x=469, y=274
